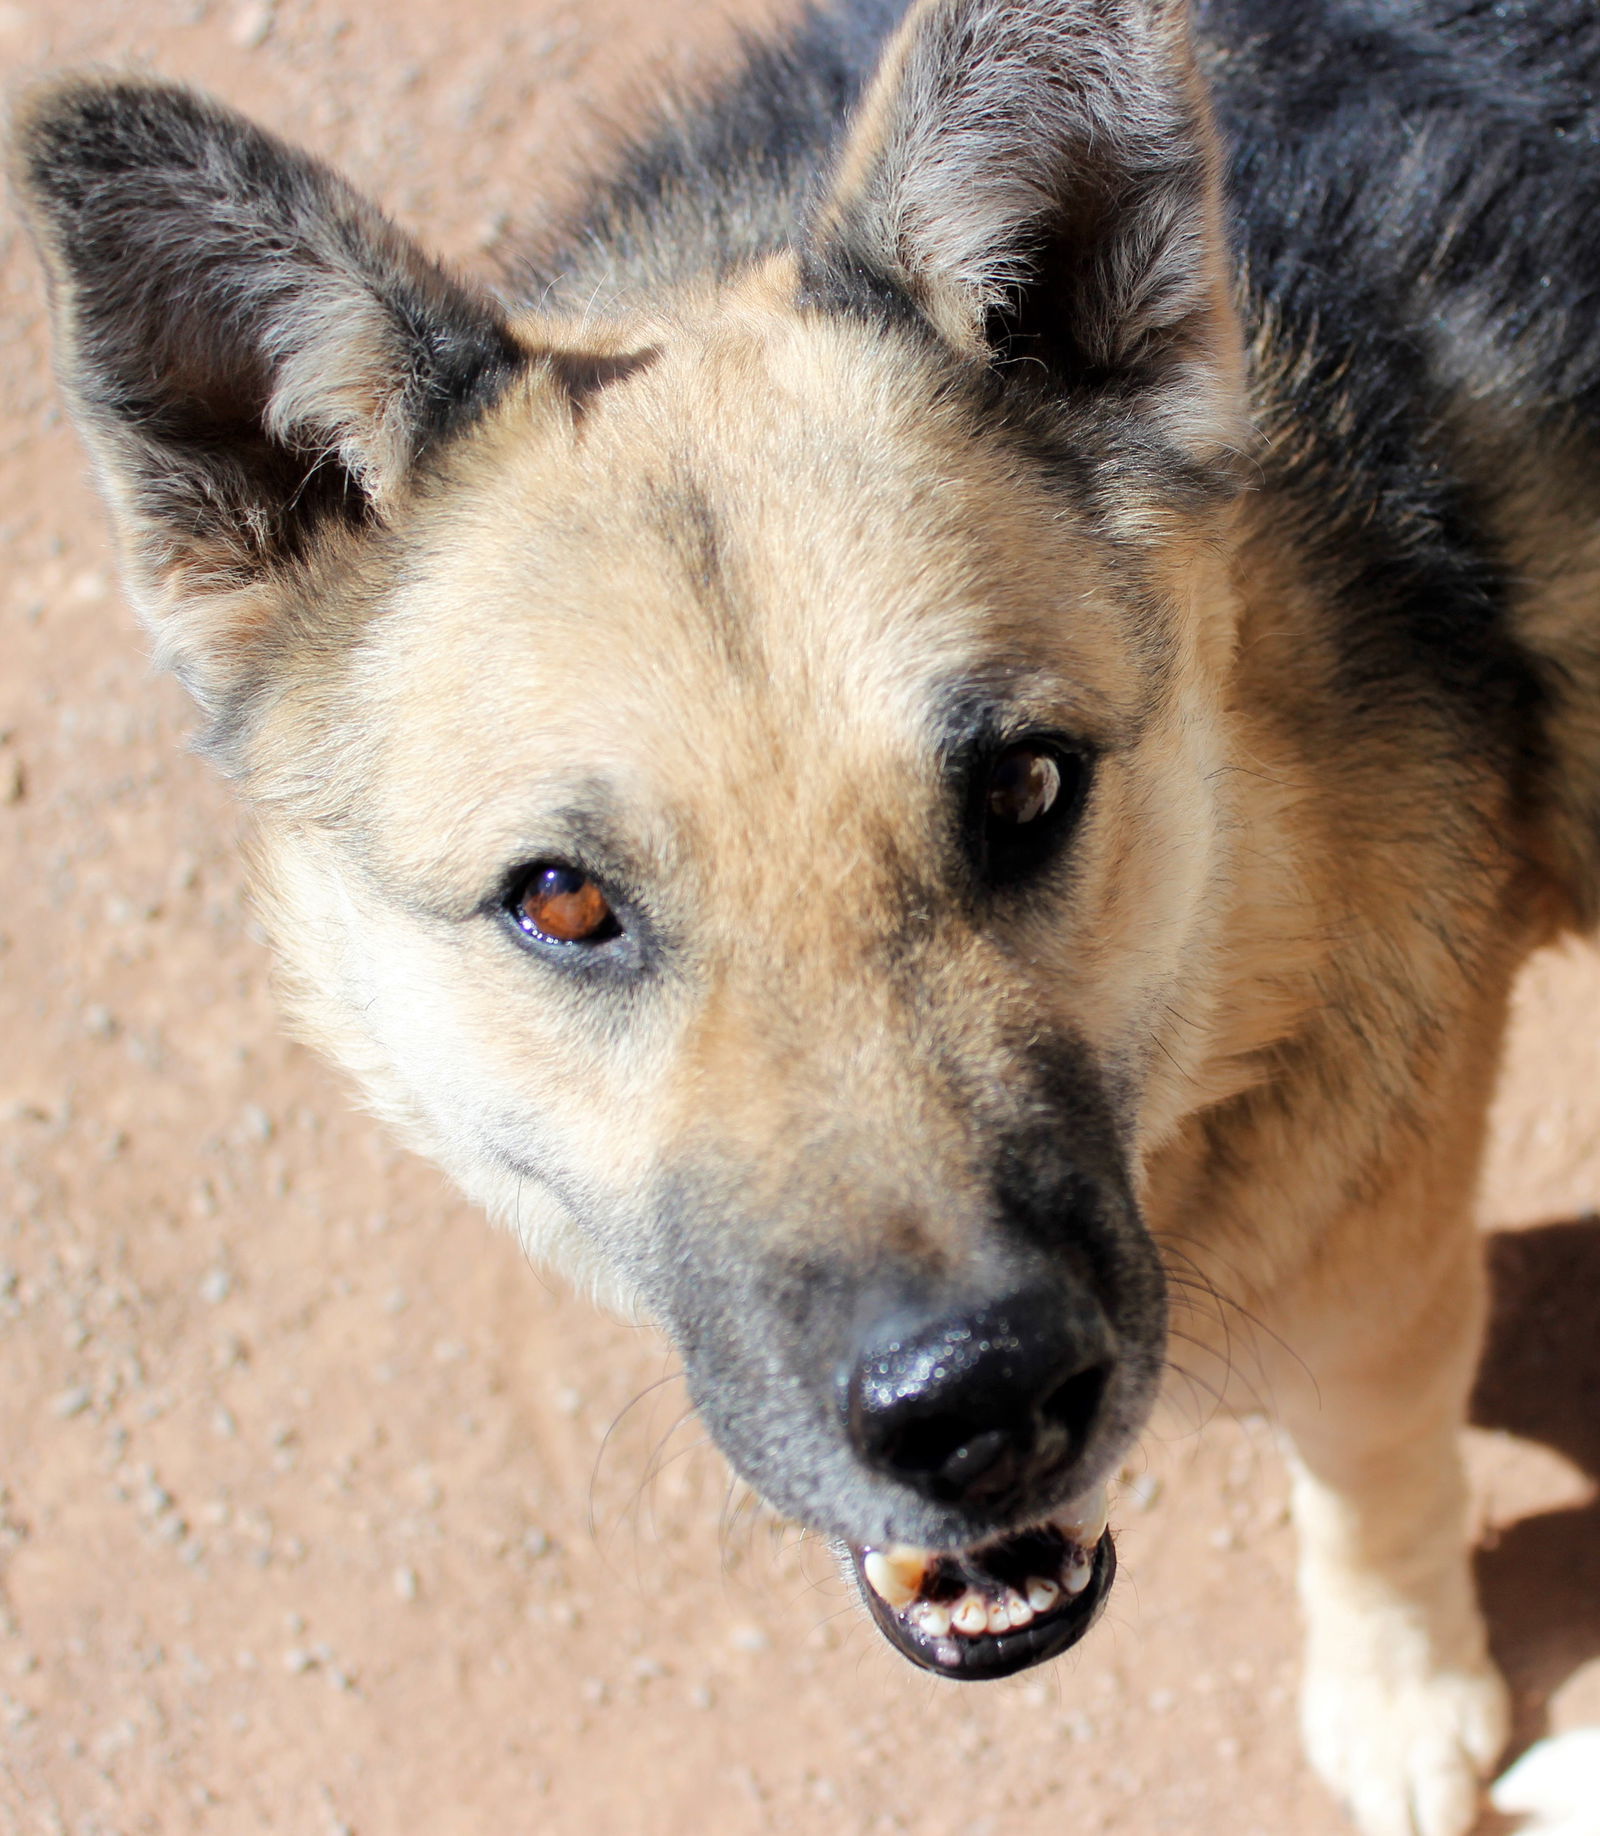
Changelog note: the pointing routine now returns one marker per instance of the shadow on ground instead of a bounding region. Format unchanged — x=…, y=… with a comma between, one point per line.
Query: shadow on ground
x=1540, y=1380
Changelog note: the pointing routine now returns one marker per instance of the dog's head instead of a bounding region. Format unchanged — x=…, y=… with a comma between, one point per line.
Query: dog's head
x=739, y=774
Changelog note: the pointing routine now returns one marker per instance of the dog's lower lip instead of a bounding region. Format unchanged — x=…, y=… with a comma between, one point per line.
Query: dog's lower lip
x=993, y=1610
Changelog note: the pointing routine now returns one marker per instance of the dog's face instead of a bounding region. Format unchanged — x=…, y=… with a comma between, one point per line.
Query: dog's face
x=740, y=784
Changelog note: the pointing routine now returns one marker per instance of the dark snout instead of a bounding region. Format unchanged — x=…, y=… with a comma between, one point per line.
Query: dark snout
x=980, y=1402
x=939, y=1366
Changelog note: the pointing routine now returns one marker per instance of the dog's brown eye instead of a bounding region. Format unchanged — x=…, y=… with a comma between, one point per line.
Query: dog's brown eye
x=1024, y=804
x=1024, y=785
x=563, y=905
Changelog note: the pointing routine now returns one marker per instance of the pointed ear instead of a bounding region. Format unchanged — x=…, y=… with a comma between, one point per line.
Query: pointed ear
x=1041, y=178
x=255, y=355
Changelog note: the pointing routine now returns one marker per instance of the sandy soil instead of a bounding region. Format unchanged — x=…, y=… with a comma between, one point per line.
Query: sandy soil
x=319, y=1510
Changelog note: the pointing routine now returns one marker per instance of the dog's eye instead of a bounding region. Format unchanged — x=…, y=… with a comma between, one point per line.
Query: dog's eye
x=1027, y=800
x=1024, y=784
x=560, y=904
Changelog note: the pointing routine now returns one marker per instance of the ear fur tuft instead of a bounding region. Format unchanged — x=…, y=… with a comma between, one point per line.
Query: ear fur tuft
x=1040, y=177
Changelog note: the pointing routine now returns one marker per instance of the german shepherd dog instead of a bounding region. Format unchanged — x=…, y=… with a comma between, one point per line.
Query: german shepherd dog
x=934, y=734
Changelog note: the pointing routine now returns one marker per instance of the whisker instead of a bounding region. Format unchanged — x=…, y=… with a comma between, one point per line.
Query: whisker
x=739, y=1503
x=606, y=1439
x=1218, y=1405
x=1253, y=1320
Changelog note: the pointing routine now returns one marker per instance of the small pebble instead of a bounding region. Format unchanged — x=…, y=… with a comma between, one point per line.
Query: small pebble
x=255, y=1123
x=252, y=24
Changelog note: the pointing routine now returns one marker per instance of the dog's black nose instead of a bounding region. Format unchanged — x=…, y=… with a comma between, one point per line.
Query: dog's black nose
x=975, y=1407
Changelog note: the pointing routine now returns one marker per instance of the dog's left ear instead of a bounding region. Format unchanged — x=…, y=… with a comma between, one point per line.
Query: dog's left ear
x=256, y=357
x=1041, y=178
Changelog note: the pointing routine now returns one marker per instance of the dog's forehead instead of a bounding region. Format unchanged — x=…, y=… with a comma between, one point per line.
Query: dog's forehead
x=754, y=550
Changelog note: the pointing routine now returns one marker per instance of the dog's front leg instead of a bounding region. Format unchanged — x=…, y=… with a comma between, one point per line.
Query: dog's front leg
x=1404, y=1714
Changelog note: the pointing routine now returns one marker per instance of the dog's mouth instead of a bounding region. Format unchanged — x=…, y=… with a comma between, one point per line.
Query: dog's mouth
x=999, y=1607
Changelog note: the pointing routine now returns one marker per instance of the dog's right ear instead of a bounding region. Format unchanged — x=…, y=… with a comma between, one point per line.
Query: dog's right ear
x=255, y=354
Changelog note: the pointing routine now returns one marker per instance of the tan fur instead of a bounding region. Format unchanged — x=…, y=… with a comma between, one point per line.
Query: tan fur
x=814, y=706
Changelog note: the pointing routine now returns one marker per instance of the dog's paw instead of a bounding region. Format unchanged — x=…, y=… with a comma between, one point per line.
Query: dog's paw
x=1404, y=1744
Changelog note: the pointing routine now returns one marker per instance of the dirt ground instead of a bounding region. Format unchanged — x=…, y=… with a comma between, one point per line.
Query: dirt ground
x=320, y=1511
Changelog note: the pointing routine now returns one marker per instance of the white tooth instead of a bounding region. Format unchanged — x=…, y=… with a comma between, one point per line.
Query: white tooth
x=970, y=1615
x=931, y=1619
x=1042, y=1594
x=1084, y=1520
x=888, y=1579
x=1018, y=1612
x=999, y=1618
x=1076, y=1572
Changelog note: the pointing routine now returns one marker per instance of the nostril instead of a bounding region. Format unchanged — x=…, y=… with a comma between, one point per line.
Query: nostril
x=946, y=1452
x=985, y=1466
x=1073, y=1404
x=923, y=1445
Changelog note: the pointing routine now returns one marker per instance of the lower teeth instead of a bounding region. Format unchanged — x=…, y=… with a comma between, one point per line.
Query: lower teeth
x=1042, y=1594
x=976, y=1613
x=970, y=1616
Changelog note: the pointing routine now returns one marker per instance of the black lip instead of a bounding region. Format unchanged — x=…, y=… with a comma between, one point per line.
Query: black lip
x=992, y=1655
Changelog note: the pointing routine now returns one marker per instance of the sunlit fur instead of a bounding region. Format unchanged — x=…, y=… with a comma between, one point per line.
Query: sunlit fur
x=1219, y=435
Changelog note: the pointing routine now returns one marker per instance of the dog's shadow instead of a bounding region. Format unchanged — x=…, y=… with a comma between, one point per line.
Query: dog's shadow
x=1540, y=1380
